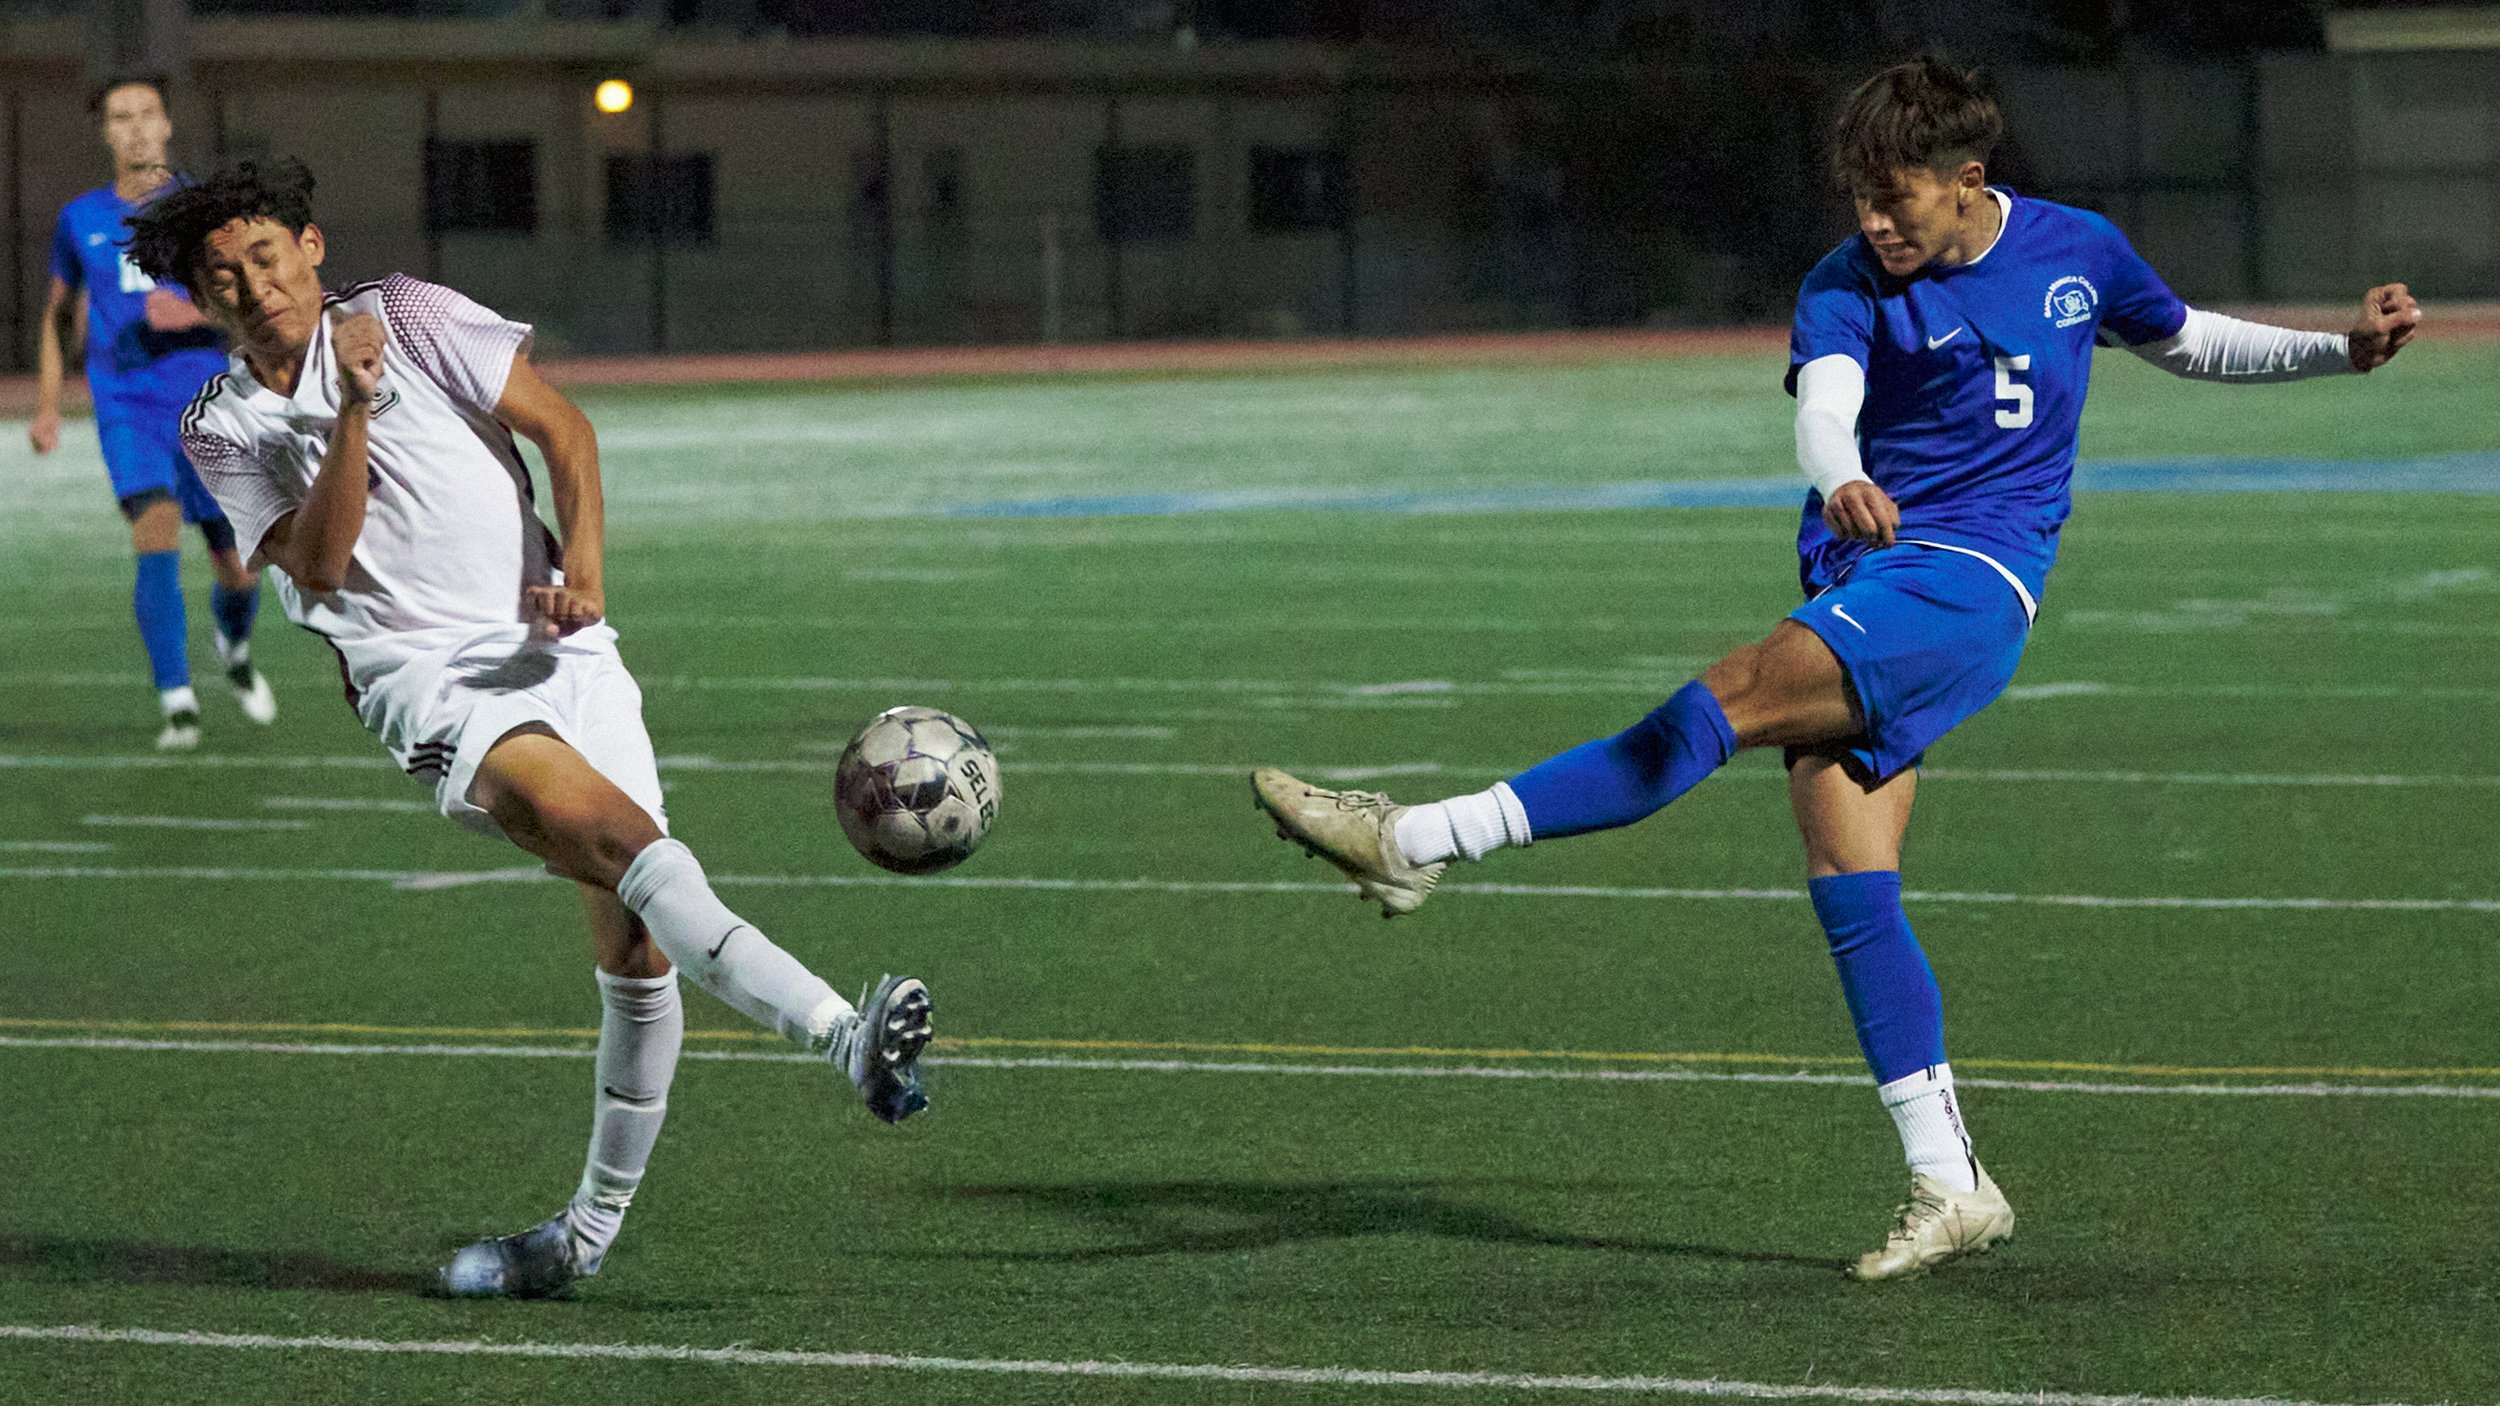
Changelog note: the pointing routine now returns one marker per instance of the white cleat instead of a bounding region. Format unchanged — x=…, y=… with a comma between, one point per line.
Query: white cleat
x=251, y=686
x=1355, y=830
x=182, y=731
x=1936, y=1225
x=538, y=1263
x=878, y=1046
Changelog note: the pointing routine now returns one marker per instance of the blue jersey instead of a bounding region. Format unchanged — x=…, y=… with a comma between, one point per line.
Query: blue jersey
x=1975, y=378
x=128, y=362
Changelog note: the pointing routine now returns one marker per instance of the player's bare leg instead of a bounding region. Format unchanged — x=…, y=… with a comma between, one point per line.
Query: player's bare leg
x=1785, y=688
x=1853, y=861
x=156, y=598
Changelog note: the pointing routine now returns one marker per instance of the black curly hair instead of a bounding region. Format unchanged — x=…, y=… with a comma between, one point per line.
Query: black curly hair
x=166, y=238
x=1924, y=113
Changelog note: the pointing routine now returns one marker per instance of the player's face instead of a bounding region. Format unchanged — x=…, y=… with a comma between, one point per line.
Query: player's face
x=260, y=282
x=1912, y=218
x=136, y=127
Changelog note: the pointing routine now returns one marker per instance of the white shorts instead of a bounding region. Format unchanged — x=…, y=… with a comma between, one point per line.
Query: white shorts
x=440, y=715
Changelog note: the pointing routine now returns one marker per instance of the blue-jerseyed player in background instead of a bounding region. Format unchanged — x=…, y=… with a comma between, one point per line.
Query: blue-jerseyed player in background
x=1939, y=360
x=148, y=353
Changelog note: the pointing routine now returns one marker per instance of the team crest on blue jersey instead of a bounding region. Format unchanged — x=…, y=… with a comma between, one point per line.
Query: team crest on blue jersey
x=2071, y=300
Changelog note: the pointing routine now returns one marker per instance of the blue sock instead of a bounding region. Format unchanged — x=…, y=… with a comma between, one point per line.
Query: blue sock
x=157, y=600
x=1616, y=780
x=1892, y=992
x=234, y=611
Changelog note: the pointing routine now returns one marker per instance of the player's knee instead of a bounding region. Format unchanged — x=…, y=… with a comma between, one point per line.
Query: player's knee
x=155, y=523
x=1737, y=683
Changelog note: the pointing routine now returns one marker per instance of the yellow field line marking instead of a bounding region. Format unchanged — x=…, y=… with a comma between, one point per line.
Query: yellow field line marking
x=979, y=1042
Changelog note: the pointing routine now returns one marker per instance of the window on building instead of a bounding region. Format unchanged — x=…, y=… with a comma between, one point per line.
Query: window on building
x=667, y=198
x=1296, y=190
x=488, y=187
x=1145, y=193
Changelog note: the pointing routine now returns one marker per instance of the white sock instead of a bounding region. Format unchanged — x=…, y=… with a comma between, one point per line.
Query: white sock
x=178, y=700
x=1932, y=1136
x=640, y=1030
x=723, y=952
x=1463, y=827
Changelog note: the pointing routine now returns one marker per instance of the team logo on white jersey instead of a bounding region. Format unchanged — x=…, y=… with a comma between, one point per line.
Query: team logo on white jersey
x=2071, y=299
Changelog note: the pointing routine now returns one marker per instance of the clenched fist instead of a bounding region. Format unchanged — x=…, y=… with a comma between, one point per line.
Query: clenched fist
x=2389, y=318
x=356, y=342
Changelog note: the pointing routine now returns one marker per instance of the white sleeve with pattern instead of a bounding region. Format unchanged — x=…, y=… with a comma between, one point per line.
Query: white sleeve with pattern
x=2212, y=347
x=252, y=500
x=466, y=348
x=1831, y=390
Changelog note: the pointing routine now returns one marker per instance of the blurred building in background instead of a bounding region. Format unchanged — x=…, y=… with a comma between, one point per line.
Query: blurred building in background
x=834, y=173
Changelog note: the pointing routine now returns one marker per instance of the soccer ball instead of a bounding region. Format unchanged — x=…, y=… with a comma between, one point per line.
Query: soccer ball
x=916, y=790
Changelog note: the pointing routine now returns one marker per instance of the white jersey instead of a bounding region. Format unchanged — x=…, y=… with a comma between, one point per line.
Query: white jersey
x=450, y=538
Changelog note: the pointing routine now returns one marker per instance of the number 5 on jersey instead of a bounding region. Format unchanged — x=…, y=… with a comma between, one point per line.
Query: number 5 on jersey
x=2014, y=410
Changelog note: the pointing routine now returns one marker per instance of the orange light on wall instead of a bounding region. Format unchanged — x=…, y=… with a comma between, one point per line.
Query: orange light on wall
x=613, y=96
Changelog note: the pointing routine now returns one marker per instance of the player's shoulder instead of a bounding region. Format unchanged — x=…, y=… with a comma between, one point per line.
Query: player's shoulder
x=357, y=297
x=414, y=309
x=86, y=202
x=2046, y=221
x=1847, y=268
x=93, y=210
x=219, y=411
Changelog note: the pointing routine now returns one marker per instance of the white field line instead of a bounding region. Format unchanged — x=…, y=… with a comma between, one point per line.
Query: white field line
x=1291, y=691
x=187, y=822
x=1644, y=685
x=696, y=764
x=1800, y=1079
x=420, y=879
x=54, y=847
x=1111, y=1368
x=347, y=803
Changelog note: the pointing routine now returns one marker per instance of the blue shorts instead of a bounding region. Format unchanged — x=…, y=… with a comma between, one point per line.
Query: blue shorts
x=143, y=452
x=1927, y=637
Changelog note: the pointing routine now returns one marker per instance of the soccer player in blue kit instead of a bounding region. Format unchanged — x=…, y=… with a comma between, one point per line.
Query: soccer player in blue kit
x=149, y=350
x=1939, y=359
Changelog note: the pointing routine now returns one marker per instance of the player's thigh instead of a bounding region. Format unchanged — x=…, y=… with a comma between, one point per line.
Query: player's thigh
x=552, y=802
x=1784, y=689
x=1848, y=827
x=138, y=458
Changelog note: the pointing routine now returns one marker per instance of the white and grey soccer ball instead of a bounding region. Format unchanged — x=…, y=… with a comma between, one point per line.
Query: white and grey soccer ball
x=917, y=790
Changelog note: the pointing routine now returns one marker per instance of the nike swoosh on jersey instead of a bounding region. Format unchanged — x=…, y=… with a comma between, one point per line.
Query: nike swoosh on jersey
x=714, y=954
x=1836, y=610
x=1935, y=342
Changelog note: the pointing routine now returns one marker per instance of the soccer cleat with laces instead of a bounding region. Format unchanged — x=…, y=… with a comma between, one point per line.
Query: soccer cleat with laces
x=1355, y=830
x=1938, y=1224
x=535, y=1264
x=251, y=687
x=878, y=1046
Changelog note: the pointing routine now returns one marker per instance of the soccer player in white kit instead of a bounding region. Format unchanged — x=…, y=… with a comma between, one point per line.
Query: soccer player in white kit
x=362, y=443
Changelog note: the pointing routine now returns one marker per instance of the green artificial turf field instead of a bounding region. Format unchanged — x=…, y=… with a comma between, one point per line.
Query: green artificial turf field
x=2211, y=896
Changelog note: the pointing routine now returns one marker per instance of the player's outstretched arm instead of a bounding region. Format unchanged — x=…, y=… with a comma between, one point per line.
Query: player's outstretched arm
x=315, y=543
x=2210, y=346
x=546, y=417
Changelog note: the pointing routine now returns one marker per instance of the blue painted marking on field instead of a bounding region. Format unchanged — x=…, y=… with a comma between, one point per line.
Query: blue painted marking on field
x=2452, y=473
